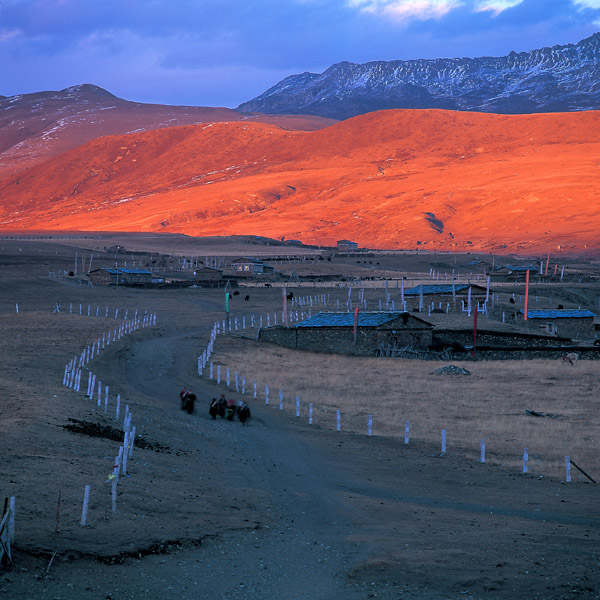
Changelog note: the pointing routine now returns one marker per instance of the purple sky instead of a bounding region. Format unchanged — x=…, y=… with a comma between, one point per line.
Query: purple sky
x=216, y=53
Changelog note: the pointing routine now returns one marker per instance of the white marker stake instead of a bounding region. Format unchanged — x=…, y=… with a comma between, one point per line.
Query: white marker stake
x=86, y=502
x=255, y=388
x=266, y=394
x=237, y=382
x=280, y=400
x=125, y=453
x=228, y=377
x=482, y=450
x=131, y=440
x=105, y=399
x=99, y=393
x=310, y=413
x=525, y=459
x=218, y=373
x=297, y=406
x=568, y=468
x=338, y=421
x=118, y=407
x=243, y=384
x=443, y=441
x=370, y=425
x=211, y=370
x=11, y=520
x=406, y=431
x=200, y=361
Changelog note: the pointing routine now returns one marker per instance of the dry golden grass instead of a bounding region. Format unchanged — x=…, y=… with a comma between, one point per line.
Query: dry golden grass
x=489, y=404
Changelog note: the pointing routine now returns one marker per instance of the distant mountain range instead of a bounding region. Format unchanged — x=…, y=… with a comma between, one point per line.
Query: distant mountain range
x=556, y=79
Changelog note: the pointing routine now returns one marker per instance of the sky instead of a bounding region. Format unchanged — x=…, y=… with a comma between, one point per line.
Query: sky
x=222, y=53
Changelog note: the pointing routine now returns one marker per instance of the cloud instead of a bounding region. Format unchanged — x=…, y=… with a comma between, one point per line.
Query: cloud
x=407, y=10
x=496, y=6
x=594, y=4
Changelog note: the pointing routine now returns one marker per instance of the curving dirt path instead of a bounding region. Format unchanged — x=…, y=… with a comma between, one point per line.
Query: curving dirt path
x=281, y=509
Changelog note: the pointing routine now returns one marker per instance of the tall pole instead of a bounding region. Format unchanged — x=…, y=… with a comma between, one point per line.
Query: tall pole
x=475, y=329
x=526, y=294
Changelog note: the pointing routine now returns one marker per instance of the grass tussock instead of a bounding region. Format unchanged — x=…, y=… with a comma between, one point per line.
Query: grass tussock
x=491, y=403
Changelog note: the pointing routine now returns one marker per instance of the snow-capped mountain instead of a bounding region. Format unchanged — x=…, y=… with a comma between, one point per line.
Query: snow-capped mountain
x=556, y=79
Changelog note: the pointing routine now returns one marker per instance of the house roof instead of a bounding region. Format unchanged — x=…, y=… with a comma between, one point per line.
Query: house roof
x=135, y=271
x=439, y=289
x=114, y=271
x=516, y=268
x=246, y=260
x=365, y=319
x=566, y=313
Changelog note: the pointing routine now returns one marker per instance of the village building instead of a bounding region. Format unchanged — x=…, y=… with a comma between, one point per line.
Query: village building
x=437, y=296
x=249, y=267
x=208, y=274
x=334, y=332
x=113, y=276
x=575, y=324
x=347, y=246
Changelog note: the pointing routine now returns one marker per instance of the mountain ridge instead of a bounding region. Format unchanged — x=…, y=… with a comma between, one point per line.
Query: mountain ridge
x=560, y=78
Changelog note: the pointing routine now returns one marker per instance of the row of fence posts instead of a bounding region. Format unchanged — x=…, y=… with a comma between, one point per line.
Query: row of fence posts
x=99, y=312
x=72, y=379
x=215, y=374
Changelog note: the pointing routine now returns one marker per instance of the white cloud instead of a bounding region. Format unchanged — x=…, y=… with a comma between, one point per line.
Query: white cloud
x=406, y=10
x=8, y=35
x=587, y=3
x=496, y=6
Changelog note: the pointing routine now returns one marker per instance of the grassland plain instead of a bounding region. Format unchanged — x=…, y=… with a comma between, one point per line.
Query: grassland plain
x=279, y=508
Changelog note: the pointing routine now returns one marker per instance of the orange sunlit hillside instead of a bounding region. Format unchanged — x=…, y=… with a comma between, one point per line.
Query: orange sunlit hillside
x=392, y=179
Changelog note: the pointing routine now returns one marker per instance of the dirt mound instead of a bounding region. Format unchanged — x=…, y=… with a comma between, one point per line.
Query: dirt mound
x=110, y=433
x=451, y=370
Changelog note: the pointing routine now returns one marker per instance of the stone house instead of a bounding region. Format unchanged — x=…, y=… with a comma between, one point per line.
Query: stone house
x=575, y=324
x=334, y=333
x=249, y=267
x=208, y=274
x=347, y=246
x=110, y=276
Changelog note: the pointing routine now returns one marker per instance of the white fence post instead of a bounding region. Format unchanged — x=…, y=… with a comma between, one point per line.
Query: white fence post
x=86, y=502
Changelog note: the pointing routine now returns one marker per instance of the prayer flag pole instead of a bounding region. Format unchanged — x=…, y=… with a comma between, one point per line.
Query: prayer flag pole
x=526, y=294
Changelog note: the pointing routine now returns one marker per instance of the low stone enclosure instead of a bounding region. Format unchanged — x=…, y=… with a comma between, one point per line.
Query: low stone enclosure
x=414, y=338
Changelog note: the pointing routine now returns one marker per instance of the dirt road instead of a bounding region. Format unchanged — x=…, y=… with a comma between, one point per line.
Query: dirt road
x=282, y=509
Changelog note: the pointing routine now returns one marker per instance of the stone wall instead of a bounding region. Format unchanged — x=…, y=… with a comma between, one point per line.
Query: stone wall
x=580, y=328
x=497, y=339
x=340, y=340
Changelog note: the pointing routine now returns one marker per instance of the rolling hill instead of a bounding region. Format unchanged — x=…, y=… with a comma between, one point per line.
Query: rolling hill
x=430, y=179
x=34, y=127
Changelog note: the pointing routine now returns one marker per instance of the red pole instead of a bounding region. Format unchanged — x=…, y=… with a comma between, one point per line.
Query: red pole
x=526, y=294
x=547, y=262
x=475, y=328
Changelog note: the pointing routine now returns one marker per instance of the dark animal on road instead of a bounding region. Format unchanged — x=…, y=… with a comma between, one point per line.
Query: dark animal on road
x=230, y=296
x=512, y=300
x=268, y=285
x=290, y=296
x=213, y=410
x=187, y=402
x=247, y=298
x=236, y=293
x=244, y=413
